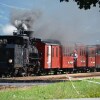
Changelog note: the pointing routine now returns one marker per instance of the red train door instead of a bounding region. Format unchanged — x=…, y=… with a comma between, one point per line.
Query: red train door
x=91, y=50
x=81, y=56
x=55, y=56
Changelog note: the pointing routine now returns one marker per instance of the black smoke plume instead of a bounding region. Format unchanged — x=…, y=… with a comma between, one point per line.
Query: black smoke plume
x=24, y=18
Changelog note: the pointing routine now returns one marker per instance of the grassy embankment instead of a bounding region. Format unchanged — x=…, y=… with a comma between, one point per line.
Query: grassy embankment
x=54, y=91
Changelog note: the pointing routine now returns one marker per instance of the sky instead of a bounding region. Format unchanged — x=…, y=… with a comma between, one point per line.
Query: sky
x=60, y=21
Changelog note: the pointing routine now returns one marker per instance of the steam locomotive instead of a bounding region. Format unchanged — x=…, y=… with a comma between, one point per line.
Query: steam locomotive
x=18, y=55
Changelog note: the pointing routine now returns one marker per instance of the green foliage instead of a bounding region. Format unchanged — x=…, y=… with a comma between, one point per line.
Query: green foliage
x=85, y=4
x=61, y=90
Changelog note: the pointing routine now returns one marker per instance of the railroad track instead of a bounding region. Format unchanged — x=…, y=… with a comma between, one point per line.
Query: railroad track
x=17, y=82
x=50, y=77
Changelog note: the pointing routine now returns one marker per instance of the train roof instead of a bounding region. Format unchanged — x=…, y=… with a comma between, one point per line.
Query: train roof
x=48, y=41
x=51, y=42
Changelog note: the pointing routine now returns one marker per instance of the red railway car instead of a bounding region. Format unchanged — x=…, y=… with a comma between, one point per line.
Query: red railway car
x=80, y=57
x=58, y=58
x=91, y=51
x=67, y=59
x=51, y=56
x=97, y=57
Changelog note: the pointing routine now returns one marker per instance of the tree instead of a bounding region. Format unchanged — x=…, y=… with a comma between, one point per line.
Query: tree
x=85, y=4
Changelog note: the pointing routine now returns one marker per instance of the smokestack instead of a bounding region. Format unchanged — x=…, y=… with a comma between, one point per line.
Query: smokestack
x=29, y=33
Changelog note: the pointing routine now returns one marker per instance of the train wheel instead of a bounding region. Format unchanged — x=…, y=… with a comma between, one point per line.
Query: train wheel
x=92, y=69
x=46, y=72
x=21, y=72
x=37, y=71
x=55, y=72
x=74, y=70
x=62, y=72
x=15, y=73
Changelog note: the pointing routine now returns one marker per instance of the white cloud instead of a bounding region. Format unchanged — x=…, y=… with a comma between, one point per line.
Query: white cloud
x=8, y=29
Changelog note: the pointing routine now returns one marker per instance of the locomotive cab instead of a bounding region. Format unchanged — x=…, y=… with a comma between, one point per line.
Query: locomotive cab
x=33, y=56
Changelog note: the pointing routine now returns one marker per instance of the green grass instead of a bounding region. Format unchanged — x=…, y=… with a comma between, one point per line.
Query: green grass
x=54, y=91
